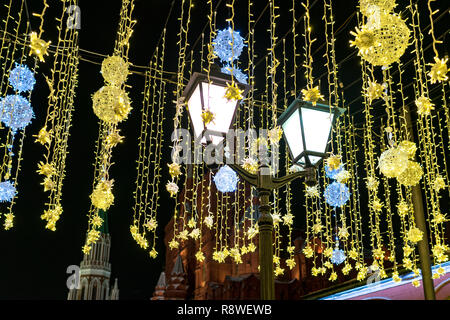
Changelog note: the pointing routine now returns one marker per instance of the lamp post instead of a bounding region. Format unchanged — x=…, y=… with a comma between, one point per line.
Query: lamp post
x=306, y=129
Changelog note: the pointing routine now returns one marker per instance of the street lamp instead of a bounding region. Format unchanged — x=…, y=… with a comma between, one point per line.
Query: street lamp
x=210, y=112
x=307, y=130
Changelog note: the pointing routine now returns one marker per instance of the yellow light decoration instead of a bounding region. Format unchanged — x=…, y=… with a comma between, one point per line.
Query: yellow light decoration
x=372, y=183
x=333, y=162
x=97, y=221
x=48, y=184
x=51, y=216
x=208, y=117
x=200, y=256
x=374, y=91
x=113, y=139
x=275, y=135
x=174, y=170
x=46, y=169
x=172, y=188
x=424, y=106
x=343, y=176
x=403, y=209
x=439, y=69
x=411, y=175
x=44, y=136
x=111, y=104
x=409, y=147
x=415, y=235
x=364, y=40
x=233, y=92
x=9, y=221
x=370, y=7
x=38, y=46
x=312, y=95
x=393, y=162
x=102, y=196
x=439, y=183
x=390, y=39
x=114, y=70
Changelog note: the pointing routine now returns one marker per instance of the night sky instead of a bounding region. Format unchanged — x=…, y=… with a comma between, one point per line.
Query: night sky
x=33, y=259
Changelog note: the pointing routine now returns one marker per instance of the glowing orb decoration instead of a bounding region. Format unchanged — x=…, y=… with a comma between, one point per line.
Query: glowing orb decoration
x=16, y=112
x=424, y=106
x=330, y=173
x=336, y=194
x=38, y=47
x=114, y=70
x=411, y=175
x=228, y=45
x=102, y=196
x=439, y=70
x=21, y=78
x=389, y=36
x=393, y=162
x=226, y=179
x=370, y=7
x=338, y=256
x=237, y=73
x=7, y=191
x=409, y=147
x=111, y=104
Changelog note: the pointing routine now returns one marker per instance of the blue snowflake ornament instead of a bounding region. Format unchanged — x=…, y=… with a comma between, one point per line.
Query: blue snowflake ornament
x=7, y=191
x=222, y=45
x=338, y=256
x=22, y=78
x=16, y=112
x=336, y=194
x=226, y=179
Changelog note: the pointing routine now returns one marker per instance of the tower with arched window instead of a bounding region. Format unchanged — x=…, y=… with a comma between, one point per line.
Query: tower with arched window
x=95, y=270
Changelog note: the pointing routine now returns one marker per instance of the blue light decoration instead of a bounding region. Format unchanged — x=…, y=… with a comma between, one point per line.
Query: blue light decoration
x=237, y=73
x=222, y=45
x=226, y=179
x=338, y=256
x=16, y=112
x=336, y=194
x=21, y=78
x=330, y=173
x=7, y=191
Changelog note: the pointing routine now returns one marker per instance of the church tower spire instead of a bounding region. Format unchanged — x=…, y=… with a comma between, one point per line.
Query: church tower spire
x=95, y=270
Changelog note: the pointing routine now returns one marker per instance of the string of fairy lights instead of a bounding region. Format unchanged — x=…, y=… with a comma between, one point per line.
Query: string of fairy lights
x=359, y=218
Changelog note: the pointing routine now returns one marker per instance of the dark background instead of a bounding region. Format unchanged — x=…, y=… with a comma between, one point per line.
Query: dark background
x=33, y=259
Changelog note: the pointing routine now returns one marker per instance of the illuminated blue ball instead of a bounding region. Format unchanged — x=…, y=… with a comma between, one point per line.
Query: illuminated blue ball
x=338, y=256
x=226, y=179
x=222, y=45
x=237, y=73
x=336, y=194
x=7, y=191
x=332, y=173
x=16, y=112
x=21, y=78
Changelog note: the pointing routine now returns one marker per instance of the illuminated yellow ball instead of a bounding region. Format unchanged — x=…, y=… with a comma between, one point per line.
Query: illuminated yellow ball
x=409, y=147
x=114, y=70
x=111, y=104
x=102, y=196
x=393, y=162
x=411, y=175
x=369, y=7
x=391, y=39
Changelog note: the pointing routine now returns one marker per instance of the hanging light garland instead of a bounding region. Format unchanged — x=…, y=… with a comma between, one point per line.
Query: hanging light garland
x=112, y=106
